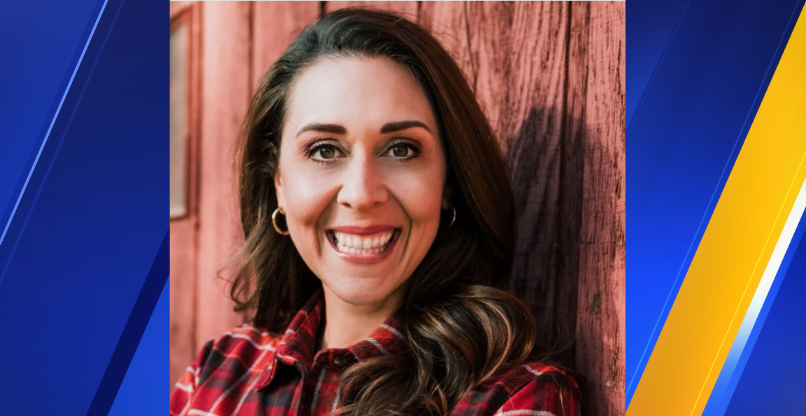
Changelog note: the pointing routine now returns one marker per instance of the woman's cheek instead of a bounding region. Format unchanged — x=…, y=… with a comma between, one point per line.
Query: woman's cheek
x=310, y=197
x=419, y=192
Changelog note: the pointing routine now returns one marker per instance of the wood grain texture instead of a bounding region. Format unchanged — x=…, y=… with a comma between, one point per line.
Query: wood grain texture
x=514, y=56
x=274, y=26
x=550, y=79
x=405, y=8
x=183, y=230
x=226, y=92
x=601, y=312
x=182, y=295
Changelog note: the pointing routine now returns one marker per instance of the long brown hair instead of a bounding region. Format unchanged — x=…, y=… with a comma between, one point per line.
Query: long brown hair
x=461, y=327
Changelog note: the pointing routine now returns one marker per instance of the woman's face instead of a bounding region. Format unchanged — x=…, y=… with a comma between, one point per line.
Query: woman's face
x=361, y=176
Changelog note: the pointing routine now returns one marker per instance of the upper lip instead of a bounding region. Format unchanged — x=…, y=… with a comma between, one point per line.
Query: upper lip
x=368, y=230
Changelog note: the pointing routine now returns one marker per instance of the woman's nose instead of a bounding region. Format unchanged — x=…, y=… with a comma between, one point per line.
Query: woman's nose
x=363, y=187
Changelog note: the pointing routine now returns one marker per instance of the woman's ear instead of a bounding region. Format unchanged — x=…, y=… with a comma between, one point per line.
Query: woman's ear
x=446, y=197
x=278, y=187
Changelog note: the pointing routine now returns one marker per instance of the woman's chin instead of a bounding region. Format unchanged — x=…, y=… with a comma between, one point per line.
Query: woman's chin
x=360, y=293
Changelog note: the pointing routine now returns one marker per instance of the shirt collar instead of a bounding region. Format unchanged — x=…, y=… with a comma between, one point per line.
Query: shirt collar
x=297, y=347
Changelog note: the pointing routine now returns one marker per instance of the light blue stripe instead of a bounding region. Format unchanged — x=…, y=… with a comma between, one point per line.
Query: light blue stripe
x=52, y=122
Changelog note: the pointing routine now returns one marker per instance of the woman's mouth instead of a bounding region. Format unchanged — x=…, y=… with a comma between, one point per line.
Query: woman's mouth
x=363, y=248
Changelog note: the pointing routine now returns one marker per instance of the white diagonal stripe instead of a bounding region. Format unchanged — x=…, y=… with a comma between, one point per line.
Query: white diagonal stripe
x=184, y=387
x=525, y=412
x=374, y=342
x=251, y=341
x=245, y=393
x=56, y=115
x=336, y=399
x=238, y=382
x=185, y=409
x=201, y=413
x=760, y=296
x=316, y=390
x=252, y=328
x=532, y=370
x=395, y=331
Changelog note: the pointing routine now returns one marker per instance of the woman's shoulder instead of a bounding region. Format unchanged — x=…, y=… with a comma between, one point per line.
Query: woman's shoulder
x=531, y=388
x=536, y=374
x=245, y=344
x=245, y=340
x=219, y=362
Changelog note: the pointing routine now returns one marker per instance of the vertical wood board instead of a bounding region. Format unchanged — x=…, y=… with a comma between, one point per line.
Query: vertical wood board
x=226, y=86
x=183, y=230
x=514, y=56
x=275, y=25
x=601, y=315
x=407, y=9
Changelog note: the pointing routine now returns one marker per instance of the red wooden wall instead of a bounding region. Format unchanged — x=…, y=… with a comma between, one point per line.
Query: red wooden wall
x=550, y=77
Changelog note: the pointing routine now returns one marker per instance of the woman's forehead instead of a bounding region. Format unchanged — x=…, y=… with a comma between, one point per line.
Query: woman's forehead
x=363, y=92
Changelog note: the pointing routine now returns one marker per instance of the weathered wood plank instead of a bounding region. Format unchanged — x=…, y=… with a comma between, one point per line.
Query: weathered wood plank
x=183, y=293
x=274, y=26
x=405, y=8
x=514, y=54
x=183, y=230
x=601, y=314
x=226, y=87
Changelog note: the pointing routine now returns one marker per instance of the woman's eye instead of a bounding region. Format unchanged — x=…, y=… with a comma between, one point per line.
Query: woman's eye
x=402, y=151
x=326, y=152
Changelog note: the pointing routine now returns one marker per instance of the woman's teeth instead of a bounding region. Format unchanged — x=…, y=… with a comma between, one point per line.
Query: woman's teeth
x=356, y=244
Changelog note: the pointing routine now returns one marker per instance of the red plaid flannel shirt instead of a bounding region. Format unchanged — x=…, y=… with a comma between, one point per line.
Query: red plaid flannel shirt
x=247, y=371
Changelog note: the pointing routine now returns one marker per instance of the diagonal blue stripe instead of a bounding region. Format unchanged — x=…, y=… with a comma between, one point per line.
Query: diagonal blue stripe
x=58, y=109
x=133, y=332
x=150, y=364
x=61, y=140
x=657, y=65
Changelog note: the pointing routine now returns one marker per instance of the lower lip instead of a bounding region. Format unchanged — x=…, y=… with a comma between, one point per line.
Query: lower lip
x=369, y=258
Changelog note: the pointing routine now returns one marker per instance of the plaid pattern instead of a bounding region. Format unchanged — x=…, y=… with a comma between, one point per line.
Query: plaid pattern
x=248, y=371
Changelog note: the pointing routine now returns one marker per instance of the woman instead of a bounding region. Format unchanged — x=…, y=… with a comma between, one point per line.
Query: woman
x=378, y=218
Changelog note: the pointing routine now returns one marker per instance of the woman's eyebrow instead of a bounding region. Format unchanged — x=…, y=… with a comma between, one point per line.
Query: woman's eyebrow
x=327, y=128
x=402, y=125
x=339, y=129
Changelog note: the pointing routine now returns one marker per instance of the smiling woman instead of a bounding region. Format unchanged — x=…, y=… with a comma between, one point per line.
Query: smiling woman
x=378, y=222
x=362, y=181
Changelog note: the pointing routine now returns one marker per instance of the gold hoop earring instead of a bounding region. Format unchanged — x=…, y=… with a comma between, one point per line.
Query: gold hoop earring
x=279, y=210
x=453, y=220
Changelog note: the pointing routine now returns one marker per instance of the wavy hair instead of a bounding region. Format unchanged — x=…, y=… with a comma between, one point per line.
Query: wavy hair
x=461, y=327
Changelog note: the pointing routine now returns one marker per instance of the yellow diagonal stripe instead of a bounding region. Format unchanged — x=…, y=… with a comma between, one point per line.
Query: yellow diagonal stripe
x=734, y=250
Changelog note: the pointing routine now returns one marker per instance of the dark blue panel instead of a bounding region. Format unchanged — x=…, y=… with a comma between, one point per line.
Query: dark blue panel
x=683, y=140
x=42, y=43
x=148, y=374
x=648, y=40
x=90, y=224
x=132, y=333
x=772, y=382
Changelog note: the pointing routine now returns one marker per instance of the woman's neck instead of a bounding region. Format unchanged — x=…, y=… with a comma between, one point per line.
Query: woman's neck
x=346, y=324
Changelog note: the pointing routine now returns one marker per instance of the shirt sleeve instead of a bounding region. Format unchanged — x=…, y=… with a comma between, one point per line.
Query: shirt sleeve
x=549, y=394
x=185, y=389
